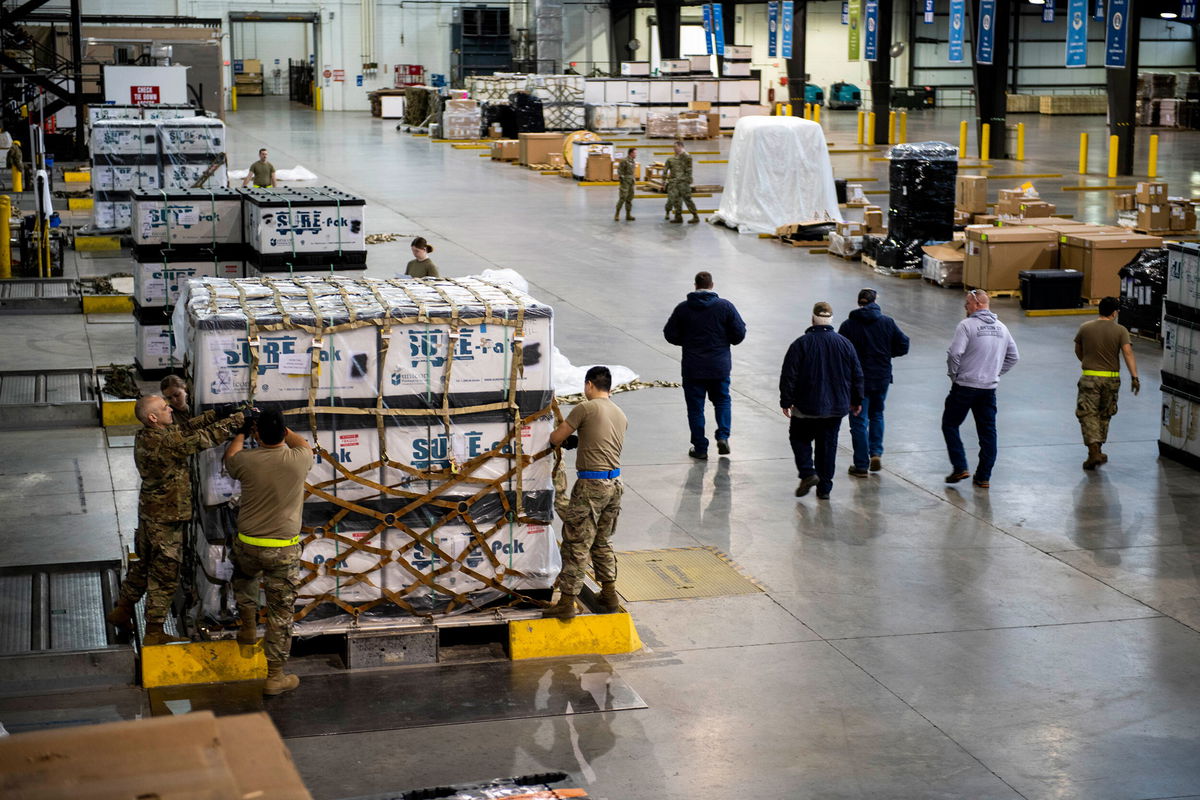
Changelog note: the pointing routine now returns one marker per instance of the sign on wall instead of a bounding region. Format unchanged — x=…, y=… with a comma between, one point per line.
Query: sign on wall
x=958, y=23
x=1116, y=39
x=928, y=12
x=143, y=95
x=853, y=36
x=985, y=37
x=871, y=40
x=845, y=12
x=1077, y=31
x=772, y=28
x=1048, y=11
x=789, y=11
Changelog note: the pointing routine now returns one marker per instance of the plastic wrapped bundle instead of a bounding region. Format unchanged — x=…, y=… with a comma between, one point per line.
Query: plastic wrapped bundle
x=921, y=200
x=527, y=110
x=499, y=112
x=1143, y=286
x=662, y=125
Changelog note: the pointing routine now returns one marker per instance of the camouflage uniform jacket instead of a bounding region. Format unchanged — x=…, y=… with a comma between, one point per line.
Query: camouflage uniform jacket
x=679, y=169
x=625, y=171
x=161, y=456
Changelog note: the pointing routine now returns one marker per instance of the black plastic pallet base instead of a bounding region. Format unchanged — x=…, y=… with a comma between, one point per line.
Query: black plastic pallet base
x=281, y=262
x=156, y=373
x=1182, y=456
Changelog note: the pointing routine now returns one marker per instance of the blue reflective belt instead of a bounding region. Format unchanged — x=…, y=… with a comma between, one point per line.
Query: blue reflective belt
x=599, y=476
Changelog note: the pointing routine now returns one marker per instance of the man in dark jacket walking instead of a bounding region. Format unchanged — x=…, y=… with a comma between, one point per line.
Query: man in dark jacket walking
x=877, y=339
x=705, y=326
x=821, y=381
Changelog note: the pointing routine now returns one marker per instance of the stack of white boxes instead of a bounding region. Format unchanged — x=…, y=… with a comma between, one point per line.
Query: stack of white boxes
x=629, y=99
x=1179, y=437
x=382, y=365
x=313, y=229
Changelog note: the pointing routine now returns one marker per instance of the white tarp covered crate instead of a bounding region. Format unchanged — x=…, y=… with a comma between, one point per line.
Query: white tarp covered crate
x=124, y=178
x=194, y=136
x=120, y=137
x=155, y=341
x=308, y=220
x=187, y=217
x=157, y=283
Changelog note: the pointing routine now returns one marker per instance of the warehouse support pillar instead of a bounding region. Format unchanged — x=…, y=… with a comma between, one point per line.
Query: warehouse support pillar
x=667, y=12
x=881, y=72
x=1122, y=99
x=621, y=19
x=796, y=74
x=991, y=81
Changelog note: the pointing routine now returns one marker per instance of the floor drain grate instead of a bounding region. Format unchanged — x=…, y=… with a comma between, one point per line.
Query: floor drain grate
x=679, y=573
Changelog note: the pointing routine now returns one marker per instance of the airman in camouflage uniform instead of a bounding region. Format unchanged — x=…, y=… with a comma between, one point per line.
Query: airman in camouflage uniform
x=626, y=172
x=590, y=518
x=1100, y=345
x=161, y=452
x=678, y=175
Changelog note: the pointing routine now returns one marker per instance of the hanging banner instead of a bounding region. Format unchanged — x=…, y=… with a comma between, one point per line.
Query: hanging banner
x=845, y=13
x=1048, y=11
x=718, y=29
x=985, y=37
x=1099, y=15
x=1189, y=10
x=1077, y=25
x=928, y=12
x=958, y=22
x=772, y=28
x=788, y=12
x=1116, y=38
x=708, y=43
x=871, y=39
x=853, y=35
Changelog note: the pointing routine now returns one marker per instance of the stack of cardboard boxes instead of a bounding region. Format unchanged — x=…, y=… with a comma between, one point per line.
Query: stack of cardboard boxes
x=970, y=198
x=536, y=149
x=248, y=77
x=1151, y=210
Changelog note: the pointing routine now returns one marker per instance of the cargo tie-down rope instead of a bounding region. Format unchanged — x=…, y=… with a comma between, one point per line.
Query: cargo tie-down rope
x=461, y=476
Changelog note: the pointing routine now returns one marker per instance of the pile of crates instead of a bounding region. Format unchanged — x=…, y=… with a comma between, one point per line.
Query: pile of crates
x=1179, y=437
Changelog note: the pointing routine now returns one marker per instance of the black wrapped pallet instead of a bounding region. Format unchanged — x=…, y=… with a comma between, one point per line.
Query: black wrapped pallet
x=527, y=111
x=1051, y=289
x=1143, y=286
x=921, y=198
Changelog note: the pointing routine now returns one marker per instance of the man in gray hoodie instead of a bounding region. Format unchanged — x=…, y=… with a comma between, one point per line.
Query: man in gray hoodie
x=982, y=350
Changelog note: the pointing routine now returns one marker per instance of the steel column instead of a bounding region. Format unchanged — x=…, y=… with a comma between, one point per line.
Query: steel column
x=1122, y=98
x=796, y=74
x=667, y=12
x=991, y=80
x=881, y=72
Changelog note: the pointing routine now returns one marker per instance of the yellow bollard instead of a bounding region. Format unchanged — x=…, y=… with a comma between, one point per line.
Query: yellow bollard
x=1020, y=141
x=5, y=233
x=862, y=118
x=891, y=127
x=18, y=180
x=962, y=139
x=985, y=142
x=779, y=109
x=1083, y=153
x=871, y=127
x=316, y=98
x=233, y=98
x=902, y=137
x=817, y=113
x=788, y=109
x=1114, y=143
x=808, y=110
x=1152, y=170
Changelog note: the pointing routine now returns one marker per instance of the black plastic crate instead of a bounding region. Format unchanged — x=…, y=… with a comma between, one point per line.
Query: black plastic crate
x=1051, y=288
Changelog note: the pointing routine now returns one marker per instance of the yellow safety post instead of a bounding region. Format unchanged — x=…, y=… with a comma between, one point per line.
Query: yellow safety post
x=1152, y=169
x=891, y=127
x=316, y=98
x=18, y=180
x=808, y=110
x=962, y=139
x=233, y=98
x=1113, y=145
x=902, y=137
x=1083, y=153
x=817, y=113
x=5, y=233
x=870, y=127
x=788, y=109
x=779, y=109
x=1020, y=141
x=862, y=115
x=985, y=142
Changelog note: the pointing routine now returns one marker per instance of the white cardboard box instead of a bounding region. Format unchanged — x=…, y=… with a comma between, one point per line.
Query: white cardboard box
x=158, y=283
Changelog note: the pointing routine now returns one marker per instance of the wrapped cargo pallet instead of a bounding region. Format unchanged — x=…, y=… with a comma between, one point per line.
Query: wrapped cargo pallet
x=430, y=403
x=297, y=228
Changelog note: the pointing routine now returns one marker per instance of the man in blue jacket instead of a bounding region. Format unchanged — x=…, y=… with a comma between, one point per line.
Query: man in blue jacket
x=705, y=326
x=877, y=339
x=821, y=381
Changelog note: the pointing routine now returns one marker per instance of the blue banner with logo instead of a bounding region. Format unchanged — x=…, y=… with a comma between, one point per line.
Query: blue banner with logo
x=1116, y=37
x=958, y=23
x=708, y=46
x=928, y=12
x=1048, y=11
x=871, y=40
x=1099, y=15
x=718, y=28
x=772, y=28
x=1189, y=10
x=985, y=37
x=1077, y=25
x=788, y=13
x=845, y=12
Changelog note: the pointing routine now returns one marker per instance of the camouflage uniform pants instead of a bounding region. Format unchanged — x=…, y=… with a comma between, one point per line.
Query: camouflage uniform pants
x=625, y=198
x=280, y=571
x=588, y=524
x=1095, y=405
x=679, y=194
x=155, y=574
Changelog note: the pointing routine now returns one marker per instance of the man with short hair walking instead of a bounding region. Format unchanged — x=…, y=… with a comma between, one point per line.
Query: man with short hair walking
x=981, y=351
x=1100, y=345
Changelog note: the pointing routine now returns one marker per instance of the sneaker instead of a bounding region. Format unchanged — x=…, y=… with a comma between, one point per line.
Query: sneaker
x=876, y=463
x=955, y=477
x=822, y=495
x=806, y=485
x=859, y=473
x=723, y=446
x=982, y=484
x=698, y=456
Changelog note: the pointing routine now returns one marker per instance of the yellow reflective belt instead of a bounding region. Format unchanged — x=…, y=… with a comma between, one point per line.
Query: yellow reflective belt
x=259, y=541
x=1099, y=373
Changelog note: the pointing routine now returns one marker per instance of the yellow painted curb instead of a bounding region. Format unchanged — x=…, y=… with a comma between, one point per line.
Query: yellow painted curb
x=598, y=183
x=1060, y=312
x=202, y=662
x=97, y=243
x=77, y=177
x=79, y=203
x=591, y=634
x=114, y=413
x=107, y=304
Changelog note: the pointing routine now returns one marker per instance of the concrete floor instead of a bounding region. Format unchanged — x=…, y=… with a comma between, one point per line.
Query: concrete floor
x=1040, y=640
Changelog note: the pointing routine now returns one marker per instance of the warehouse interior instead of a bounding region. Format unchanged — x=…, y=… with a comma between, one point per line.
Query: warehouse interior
x=901, y=636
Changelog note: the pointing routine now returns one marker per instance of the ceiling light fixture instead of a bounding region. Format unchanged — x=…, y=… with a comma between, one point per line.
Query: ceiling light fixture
x=1168, y=15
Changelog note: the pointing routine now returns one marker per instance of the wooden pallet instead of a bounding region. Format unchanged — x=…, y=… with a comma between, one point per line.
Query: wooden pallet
x=852, y=257
x=1166, y=234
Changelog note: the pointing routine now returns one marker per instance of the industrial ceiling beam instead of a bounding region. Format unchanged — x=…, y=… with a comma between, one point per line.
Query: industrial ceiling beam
x=20, y=12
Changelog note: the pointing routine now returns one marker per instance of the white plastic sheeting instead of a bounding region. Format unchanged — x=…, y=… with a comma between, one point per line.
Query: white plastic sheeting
x=779, y=174
x=294, y=175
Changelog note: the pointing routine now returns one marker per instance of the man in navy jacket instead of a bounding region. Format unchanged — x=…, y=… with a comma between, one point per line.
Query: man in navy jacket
x=877, y=339
x=821, y=381
x=705, y=326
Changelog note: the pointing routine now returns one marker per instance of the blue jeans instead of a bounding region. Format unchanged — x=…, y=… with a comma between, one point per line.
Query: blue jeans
x=981, y=403
x=821, y=434
x=866, y=429
x=716, y=390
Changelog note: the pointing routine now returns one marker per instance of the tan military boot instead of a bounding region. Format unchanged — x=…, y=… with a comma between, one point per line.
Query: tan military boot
x=675, y=220
x=609, y=602
x=630, y=219
x=155, y=635
x=563, y=609
x=121, y=616
x=695, y=218
x=279, y=681
x=1095, y=457
x=248, y=618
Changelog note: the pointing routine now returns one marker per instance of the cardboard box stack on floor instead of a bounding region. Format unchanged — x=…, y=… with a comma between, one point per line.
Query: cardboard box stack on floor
x=248, y=77
x=461, y=119
x=431, y=401
x=1179, y=437
x=536, y=148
